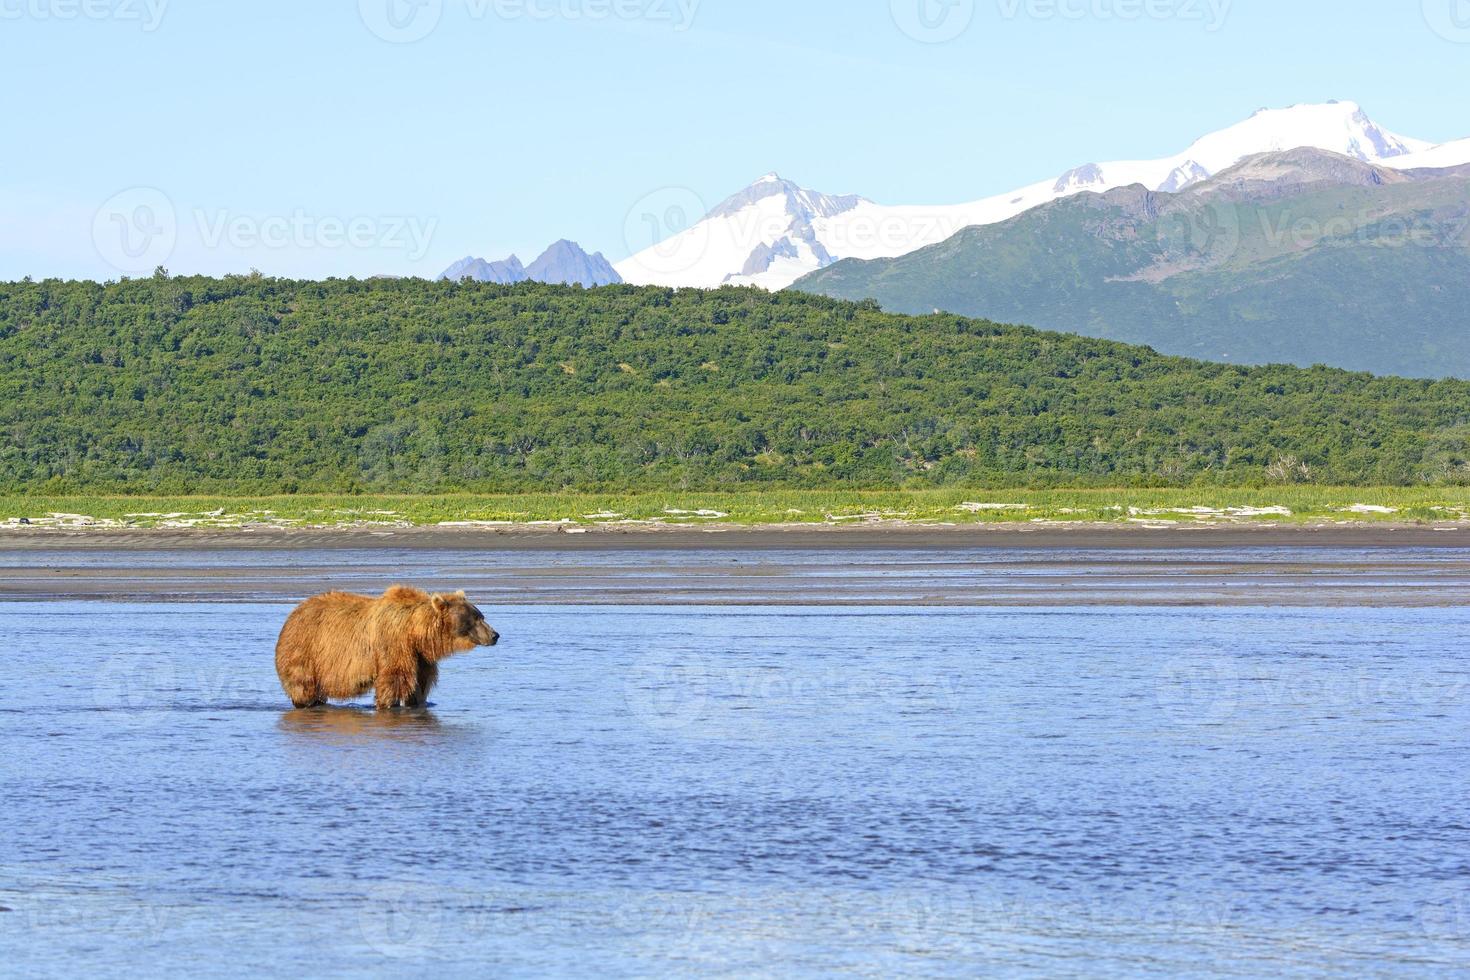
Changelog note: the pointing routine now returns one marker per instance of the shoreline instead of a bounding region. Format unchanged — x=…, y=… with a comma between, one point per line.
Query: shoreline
x=974, y=565
x=894, y=535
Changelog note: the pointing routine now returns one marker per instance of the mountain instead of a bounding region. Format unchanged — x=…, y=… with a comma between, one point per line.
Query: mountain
x=1302, y=257
x=507, y=271
x=564, y=262
x=775, y=231
x=765, y=235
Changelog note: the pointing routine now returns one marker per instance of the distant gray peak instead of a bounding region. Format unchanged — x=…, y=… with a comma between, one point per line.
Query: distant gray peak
x=560, y=249
x=506, y=271
x=567, y=262
x=563, y=262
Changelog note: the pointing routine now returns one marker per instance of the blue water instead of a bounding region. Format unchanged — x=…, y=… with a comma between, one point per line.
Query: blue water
x=633, y=791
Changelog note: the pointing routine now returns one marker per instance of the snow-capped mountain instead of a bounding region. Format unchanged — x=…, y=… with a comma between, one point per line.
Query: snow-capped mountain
x=563, y=262
x=765, y=233
x=774, y=232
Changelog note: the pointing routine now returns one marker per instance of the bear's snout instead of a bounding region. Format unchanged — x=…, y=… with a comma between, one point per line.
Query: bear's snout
x=485, y=636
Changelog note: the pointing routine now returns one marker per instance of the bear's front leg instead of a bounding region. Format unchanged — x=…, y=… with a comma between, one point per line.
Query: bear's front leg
x=396, y=688
x=426, y=675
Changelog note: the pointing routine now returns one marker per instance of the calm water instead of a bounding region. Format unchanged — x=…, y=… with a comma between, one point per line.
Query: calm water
x=797, y=790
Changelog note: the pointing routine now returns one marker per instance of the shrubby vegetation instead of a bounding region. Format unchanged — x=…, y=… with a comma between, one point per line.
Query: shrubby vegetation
x=257, y=385
x=1294, y=504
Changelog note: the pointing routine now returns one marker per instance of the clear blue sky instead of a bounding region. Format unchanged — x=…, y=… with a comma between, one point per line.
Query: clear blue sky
x=515, y=122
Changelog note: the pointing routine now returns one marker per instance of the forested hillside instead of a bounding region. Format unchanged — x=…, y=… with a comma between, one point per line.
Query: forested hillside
x=251, y=384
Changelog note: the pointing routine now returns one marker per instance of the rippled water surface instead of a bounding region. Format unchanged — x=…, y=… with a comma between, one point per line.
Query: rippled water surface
x=1107, y=790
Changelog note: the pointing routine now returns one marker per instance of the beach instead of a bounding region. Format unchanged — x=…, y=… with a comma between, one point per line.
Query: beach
x=969, y=565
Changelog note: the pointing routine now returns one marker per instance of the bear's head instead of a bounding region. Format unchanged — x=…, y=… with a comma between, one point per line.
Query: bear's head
x=463, y=623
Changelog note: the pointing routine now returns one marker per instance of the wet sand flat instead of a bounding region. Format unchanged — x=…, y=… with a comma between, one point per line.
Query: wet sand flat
x=1386, y=566
x=884, y=535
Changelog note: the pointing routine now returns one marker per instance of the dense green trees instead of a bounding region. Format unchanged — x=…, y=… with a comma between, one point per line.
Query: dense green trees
x=249, y=384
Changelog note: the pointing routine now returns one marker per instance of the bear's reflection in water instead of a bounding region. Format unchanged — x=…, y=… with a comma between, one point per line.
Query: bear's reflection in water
x=357, y=723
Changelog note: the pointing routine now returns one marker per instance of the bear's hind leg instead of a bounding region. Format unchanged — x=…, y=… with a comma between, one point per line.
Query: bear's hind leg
x=304, y=695
x=299, y=681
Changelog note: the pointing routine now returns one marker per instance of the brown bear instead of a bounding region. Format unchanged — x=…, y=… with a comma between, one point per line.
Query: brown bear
x=341, y=646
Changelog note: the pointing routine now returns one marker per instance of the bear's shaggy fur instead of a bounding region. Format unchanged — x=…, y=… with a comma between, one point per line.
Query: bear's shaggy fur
x=339, y=646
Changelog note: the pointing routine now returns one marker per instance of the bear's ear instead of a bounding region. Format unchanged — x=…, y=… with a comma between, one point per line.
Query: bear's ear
x=438, y=602
x=460, y=594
